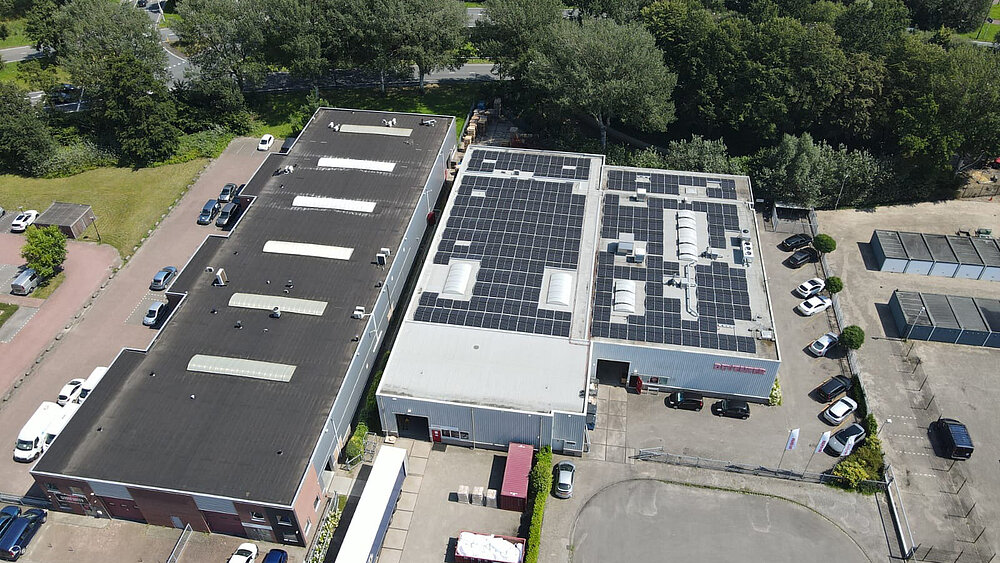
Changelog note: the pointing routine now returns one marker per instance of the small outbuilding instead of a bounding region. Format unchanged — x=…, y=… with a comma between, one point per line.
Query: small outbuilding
x=514, y=491
x=71, y=218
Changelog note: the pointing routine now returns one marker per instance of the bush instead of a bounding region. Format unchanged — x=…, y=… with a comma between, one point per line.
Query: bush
x=866, y=462
x=775, y=398
x=539, y=485
x=356, y=445
x=853, y=337
x=203, y=144
x=824, y=243
x=852, y=471
x=76, y=158
x=834, y=285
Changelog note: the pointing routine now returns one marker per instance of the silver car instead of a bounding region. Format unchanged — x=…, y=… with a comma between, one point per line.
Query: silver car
x=154, y=313
x=565, y=474
x=822, y=345
x=840, y=410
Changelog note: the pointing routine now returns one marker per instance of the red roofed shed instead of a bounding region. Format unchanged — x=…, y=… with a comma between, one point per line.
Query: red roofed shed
x=514, y=492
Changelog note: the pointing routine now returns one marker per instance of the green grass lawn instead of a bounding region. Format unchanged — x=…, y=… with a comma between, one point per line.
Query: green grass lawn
x=17, y=37
x=48, y=289
x=170, y=20
x=275, y=110
x=127, y=202
x=6, y=310
x=9, y=74
x=988, y=31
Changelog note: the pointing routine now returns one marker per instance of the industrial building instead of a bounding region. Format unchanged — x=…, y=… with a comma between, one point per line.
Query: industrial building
x=553, y=271
x=232, y=420
x=973, y=321
x=976, y=258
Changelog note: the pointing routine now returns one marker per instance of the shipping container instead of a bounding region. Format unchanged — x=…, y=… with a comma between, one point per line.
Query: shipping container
x=514, y=492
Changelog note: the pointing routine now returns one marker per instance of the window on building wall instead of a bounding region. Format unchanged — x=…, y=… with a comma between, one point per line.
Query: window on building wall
x=316, y=503
x=309, y=525
x=65, y=506
x=257, y=516
x=464, y=435
x=52, y=487
x=290, y=538
x=284, y=520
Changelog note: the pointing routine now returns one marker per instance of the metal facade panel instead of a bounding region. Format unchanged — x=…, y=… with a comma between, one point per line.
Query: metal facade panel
x=990, y=274
x=888, y=244
x=964, y=251
x=948, y=335
x=114, y=490
x=568, y=431
x=916, y=248
x=969, y=271
x=212, y=504
x=967, y=313
x=940, y=310
x=713, y=374
x=438, y=414
x=498, y=428
x=993, y=341
x=920, y=267
x=988, y=250
x=973, y=337
x=944, y=269
x=940, y=249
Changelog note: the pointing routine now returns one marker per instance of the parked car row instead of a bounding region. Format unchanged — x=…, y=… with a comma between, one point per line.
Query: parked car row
x=49, y=419
x=247, y=553
x=223, y=209
x=691, y=401
x=803, y=253
x=17, y=529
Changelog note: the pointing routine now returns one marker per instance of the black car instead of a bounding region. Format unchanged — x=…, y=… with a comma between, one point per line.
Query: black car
x=684, y=400
x=732, y=408
x=834, y=386
x=140, y=3
x=795, y=242
x=954, y=437
x=802, y=257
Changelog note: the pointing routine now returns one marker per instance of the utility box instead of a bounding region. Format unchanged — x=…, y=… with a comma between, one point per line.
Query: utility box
x=514, y=492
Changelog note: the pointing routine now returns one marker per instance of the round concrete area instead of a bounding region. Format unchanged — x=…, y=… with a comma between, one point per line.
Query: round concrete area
x=637, y=521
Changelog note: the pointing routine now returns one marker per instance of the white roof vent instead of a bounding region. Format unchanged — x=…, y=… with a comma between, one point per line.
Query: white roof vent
x=458, y=278
x=687, y=236
x=624, y=296
x=560, y=289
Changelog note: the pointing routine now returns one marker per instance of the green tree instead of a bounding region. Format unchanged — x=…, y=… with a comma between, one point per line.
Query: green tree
x=25, y=140
x=203, y=102
x=834, y=285
x=225, y=38
x=139, y=112
x=622, y=11
x=436, y=33
x=852, y=471
x=511, y=28
x=961, y=15
x=39, y=74
x=94, y=33
x=824, y=243
x=4, y=31
x=375, y=32
x=871, y=26
x=44, y=250
x=702, y=155
x=40, y=25
x=853, y=337
x=606, y=71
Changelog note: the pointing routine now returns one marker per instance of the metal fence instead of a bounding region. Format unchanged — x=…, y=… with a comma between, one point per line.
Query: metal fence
x=658, y=455
x=175, y=554
x=35, y=502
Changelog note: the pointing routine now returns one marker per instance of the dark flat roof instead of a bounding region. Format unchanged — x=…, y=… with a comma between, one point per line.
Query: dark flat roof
x=64, y=214
x=148, y=430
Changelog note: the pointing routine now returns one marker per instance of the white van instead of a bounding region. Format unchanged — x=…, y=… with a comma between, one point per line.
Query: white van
x=92, y=380
x=29, y=440
x=57, y=425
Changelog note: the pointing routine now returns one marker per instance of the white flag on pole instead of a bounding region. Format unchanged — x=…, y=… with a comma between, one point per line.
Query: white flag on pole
x=848, y=447
x=823, y=441
x=793, y=440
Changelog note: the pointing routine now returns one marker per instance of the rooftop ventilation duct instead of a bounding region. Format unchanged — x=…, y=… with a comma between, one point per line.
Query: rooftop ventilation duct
x=458, y=278
x=624, y=296
x=687, y=236
x=560, y=289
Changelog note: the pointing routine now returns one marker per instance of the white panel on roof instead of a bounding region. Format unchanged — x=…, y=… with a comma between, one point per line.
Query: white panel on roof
x=284, y=304
x=241, y=367
x=376, y=130
x=306, y=249
x=356, y=164
x=458, y=278
x=560, y=289
x=624, y=296
x=333, y=203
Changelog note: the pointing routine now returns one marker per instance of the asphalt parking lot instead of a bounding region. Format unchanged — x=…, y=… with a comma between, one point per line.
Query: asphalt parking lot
x=761, y=439
x=950, y=505
x=105, y=329
x=648, y=511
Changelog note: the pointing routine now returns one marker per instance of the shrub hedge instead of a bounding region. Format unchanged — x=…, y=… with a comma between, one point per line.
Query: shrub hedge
x=539, y=485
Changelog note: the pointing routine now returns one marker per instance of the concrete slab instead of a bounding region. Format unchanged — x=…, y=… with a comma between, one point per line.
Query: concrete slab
x=616, y=454
x=615, y=423
x=390, y=555
x=394, y=538
x=598, y=452
x=16, y=322
x=416, y=465
x=412, y=483
x=599, y=435
x=401, y=519
x=616, y=408
x=406, y=501
x=420, y=449
x=616, y=438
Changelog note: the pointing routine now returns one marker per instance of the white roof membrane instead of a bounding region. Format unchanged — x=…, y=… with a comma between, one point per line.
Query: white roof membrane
x=333, y=203
x=241, y=367
x=284, y=304
x=376, y=130
x=306, y=249
x=356, y=164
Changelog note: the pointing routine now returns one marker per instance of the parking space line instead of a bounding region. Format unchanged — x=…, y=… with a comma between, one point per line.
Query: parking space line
x=913, y=453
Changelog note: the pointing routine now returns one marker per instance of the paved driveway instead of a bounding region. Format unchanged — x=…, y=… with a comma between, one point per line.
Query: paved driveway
x=104, y=330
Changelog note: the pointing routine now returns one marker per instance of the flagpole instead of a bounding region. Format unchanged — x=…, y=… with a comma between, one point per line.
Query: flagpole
x=811, y=456
x=781, y=458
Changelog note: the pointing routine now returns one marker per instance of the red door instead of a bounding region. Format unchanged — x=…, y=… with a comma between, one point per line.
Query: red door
x=638, y=385
x=435, y=434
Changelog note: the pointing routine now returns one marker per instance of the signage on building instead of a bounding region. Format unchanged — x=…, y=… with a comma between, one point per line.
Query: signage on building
x=739, y=368
x=70, y=499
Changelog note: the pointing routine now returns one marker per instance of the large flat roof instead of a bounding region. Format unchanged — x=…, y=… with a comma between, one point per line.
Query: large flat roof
x=237, y=429
x=522, y=277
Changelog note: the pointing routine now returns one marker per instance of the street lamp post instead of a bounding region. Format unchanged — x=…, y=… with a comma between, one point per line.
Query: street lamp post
x=887, y=422
x=841, y=192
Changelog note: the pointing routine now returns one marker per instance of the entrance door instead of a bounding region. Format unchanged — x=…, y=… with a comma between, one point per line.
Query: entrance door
x=410, y=426
x=435, y=434
x=610, y=372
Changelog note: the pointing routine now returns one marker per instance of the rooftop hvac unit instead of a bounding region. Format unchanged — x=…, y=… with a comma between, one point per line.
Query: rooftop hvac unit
x=626, y=242
x=639, y=255
x=220, y=277
x=747, y=253
x=334, y=126
x=640, y=194
x=385, y=251
x=359, y=312
x=380, y=259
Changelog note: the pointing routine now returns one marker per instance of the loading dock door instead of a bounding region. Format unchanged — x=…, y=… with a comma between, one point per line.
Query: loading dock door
x=410, y=426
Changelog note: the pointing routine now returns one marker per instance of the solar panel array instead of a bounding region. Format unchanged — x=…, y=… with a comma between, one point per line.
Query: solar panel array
x=549, y=166
x=669, y=184
x=516, y=230
x=722, y=290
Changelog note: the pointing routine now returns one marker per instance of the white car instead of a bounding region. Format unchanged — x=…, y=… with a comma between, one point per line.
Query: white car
x=838, y=411
x=70, y=391
x=822, y=345
x=815, y=304
x=265, y=142
x=809, y=288
x=245, y=553
x=23, y=220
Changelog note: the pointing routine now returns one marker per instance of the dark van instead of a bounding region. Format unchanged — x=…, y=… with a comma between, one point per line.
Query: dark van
x=954, y=438
x=227, y=214
x=18, y=535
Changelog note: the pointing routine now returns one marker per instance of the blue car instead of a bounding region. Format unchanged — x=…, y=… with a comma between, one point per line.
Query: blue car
x=276, y=556
x=18, y=535
x=7, y=516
